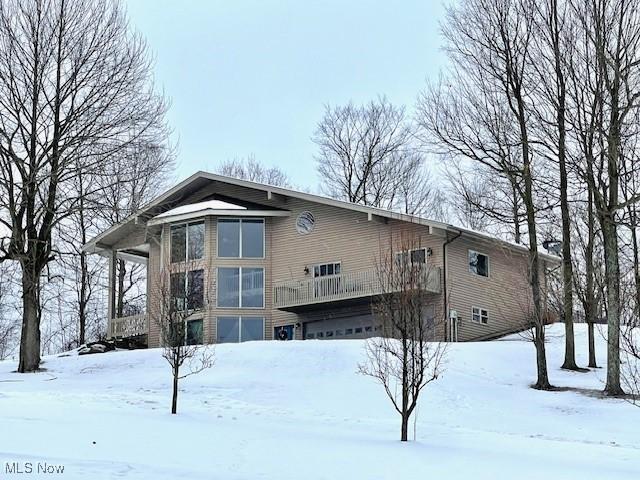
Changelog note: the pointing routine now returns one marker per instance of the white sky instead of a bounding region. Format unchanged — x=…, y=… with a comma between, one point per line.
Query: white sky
x=252, y=77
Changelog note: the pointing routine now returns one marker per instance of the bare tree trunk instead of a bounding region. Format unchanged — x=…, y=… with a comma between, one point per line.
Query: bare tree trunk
x=174, y=396
x=30, y=337
x=590, y=294
x=612, y=271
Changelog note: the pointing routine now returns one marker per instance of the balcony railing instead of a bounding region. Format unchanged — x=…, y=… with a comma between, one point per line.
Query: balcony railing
x=128, y=326
x=345, y=286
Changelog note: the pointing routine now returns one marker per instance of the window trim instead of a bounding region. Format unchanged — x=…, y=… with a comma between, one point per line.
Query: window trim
x=240, y=220
x=480, y=310
x=186, y=241
x=477, y=252
x=313, y=269
x=240, y=306
x=239, y=317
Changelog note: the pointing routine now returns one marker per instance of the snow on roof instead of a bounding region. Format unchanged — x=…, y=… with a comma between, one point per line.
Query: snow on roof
x=200, y=206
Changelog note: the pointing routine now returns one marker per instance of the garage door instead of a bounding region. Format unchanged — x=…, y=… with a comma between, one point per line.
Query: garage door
x=357, y=326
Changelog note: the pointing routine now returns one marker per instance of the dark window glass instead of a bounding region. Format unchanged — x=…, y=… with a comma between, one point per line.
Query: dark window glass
x=358, y=329
x=330, y=269
x=228, y=330
x=228, y=238
x=228, y=287
x=253, y=287
x=348, y=331
x=323, y=270
x=418, y=256
x=177, y=287
x=316, y=271
x=252, y=238
x=195, y=285
x=251, y=328
x=195, y=334
x=339, y=333
x=311, y=335
x=336, y=270
x=320, y=335
x=178, y=243
x=478, y=263
x=329, y=333
x=367, y=329
x=195, y=237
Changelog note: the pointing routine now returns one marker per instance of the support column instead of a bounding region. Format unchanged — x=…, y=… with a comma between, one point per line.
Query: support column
x=111, y=306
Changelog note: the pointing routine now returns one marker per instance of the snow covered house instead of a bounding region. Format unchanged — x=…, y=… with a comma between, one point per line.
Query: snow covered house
x=264, y=261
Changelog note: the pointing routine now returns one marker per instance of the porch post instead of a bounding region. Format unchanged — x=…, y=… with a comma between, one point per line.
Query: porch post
x=111, y=307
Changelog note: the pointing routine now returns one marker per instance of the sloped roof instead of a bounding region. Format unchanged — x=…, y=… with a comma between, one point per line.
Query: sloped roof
x=165, y=202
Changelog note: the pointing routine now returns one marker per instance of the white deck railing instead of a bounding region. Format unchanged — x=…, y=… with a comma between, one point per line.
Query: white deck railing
x=345, y=286
x=128, y=326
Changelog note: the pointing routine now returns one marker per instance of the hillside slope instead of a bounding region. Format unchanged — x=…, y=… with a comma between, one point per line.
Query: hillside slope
x=291, y=410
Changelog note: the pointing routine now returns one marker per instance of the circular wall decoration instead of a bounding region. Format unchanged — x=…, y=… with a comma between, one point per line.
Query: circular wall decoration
x=305, y=223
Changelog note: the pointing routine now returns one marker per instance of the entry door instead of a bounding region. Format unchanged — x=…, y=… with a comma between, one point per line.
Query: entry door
x=288, y=329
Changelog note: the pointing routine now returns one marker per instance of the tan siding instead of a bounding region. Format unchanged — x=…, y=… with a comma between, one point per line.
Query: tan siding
x=505, y=293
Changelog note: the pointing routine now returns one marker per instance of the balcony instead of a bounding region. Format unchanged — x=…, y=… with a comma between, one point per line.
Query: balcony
x=125, y=327
x=293, y=294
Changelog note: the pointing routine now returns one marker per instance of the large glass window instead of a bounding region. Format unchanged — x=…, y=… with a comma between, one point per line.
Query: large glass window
x=178, y=290
x=240, y=287
x=187, y=289
x=241, y=238
x=228, y=330
x=478, y=263
x=252, y=287
x=195, y=334
x=178, y=243
x=252, y=233
x=228, y=238
x=187, y=242
x=195, y=289
x=480, y=315
x=240, y=329
x=229, y=287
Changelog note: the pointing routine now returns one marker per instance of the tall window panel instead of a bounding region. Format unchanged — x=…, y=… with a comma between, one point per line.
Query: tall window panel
x=187, y=242
x=240, y=238
x=240, y=287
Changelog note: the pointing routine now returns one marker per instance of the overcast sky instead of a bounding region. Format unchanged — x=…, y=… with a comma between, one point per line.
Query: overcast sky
x=252, y=77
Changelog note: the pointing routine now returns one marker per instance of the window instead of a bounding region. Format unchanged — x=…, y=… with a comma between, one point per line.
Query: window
x=417, y=256
x=187, y=242
x=194, y=332
x=241, y=238
x=339, y=333
x=479, y=315
x=311, y=335
x=326, y=269
x=348, y=331
x=478, y=263
x=187, y=289
x=240, y=329
x=240, y=287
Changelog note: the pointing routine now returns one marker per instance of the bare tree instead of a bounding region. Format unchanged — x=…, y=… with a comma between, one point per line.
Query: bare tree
x=75, y=90
x=252, y=170
x=484, y=114
x=8, y=314
x=182, y=299
x=405, y=358
x=367, y=155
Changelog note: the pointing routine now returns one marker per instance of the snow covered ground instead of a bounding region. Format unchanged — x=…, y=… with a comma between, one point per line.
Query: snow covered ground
x=299, y=410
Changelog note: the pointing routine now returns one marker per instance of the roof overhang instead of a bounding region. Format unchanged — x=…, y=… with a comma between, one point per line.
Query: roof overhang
x=181, y=217
x=201, y=179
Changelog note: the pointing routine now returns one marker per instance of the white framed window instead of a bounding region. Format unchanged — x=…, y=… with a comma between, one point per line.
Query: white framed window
x=187, y=242
x=240, y=237
x=479, y=263
x=416, y=256
x=240, y=287
x=479, y=315
x=235, y=329
x=327, y=269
